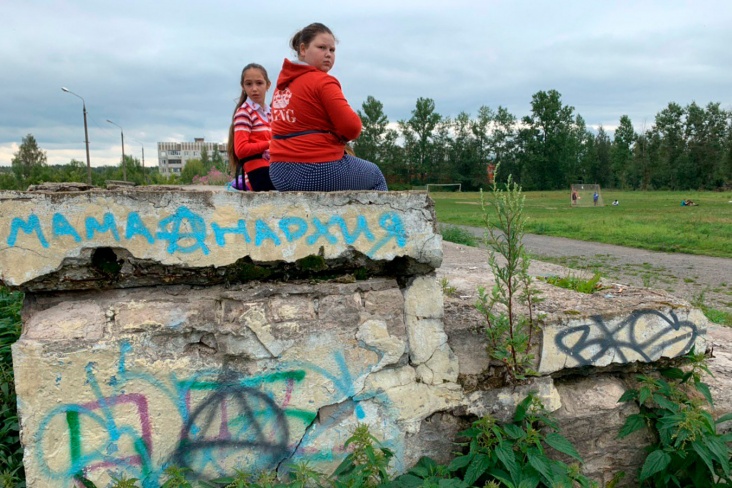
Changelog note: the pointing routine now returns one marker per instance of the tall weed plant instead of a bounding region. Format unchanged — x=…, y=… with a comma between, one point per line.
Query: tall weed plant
x=11, y=452
x=509, y=330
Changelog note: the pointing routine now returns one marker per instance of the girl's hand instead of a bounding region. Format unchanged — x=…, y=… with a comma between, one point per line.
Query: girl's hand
x=265, y=155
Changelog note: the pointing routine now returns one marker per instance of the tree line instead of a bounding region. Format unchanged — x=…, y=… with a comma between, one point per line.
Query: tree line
x=551, y=148
x=29, y=166
x=687, y=148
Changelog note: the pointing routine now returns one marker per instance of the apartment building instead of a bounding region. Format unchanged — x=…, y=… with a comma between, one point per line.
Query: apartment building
x=172, y=156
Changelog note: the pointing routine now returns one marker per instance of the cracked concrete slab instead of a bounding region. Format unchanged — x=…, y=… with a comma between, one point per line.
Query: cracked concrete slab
x=126, y=237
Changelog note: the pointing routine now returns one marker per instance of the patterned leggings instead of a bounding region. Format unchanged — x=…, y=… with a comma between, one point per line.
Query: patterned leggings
x=349, y=173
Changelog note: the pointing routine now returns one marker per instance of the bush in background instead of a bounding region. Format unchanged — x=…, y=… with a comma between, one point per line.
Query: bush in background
x=11, y=452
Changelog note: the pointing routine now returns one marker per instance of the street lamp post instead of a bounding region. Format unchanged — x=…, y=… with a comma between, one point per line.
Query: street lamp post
x=86, y=134
x=144, y=179
x=124, y=166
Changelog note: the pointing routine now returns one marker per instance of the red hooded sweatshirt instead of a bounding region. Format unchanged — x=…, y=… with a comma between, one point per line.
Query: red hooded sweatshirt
x=307, y=99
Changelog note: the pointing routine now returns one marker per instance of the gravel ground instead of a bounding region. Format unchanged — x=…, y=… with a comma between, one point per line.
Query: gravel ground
x=683, y=275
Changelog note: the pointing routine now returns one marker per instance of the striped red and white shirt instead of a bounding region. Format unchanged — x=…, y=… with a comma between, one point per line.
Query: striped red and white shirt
x=252, y=133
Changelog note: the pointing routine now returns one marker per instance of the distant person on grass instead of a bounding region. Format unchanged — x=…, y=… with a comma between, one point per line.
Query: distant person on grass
x=312, y=123
x=574, y=197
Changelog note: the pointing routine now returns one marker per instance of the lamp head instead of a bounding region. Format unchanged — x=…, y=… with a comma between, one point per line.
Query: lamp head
x=63, y=88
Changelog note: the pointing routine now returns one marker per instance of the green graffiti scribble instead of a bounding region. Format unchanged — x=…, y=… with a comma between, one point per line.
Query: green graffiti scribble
x=72, y=419
x=296, y=375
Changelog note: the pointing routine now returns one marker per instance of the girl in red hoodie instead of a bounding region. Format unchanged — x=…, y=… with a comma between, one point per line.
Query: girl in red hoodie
x=312, y=122
x=250, y=133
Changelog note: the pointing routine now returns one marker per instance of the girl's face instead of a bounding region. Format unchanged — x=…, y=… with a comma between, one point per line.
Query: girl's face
x=255, y=85
x=320, y=53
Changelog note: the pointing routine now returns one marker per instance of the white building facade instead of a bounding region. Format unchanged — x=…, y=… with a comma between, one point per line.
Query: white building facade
x=173, y=156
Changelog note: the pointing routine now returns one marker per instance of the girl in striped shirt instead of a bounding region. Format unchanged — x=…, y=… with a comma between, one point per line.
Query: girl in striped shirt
x=250, y=133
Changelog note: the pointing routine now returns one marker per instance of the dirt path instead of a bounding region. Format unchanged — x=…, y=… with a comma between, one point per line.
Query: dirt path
x=684, y=275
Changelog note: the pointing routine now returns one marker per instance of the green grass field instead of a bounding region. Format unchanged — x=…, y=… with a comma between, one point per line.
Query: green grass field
x=646, y=220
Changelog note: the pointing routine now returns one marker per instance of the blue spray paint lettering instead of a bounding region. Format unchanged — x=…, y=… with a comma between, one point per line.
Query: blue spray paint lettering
x=362, y=227
x=61, y=227
x=186, y=231
x=288, y=222
x=262, y=232
x=136, y=227
x=220, y=232
x=33, y=224
x=170, y=230
x=321, y=230
x=394, y=228
x=108, y=225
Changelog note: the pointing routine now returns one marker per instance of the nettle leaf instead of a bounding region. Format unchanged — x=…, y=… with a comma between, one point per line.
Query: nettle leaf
x=540, y=463
x=514, y=431
x=427, y=463
x=529, y=482
x=521, y=409
x=656, y=462
x=633, y=423
x=561, y=444
x=407, y=481
x=708, y=422
x=628, y=396
x=704, y=454
x=673, y=373
x=719, y=450
x=644, y=394
x=503, y=477
x=452, y=483
x=460, y=462
x=664, y=402
x=704, y=390
x=478, y=466
x=420, y=471
x=505, y=454
x=724, y=418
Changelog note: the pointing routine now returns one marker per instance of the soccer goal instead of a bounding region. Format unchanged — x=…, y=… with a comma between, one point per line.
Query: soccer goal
x=443, y=187
x=586, y=195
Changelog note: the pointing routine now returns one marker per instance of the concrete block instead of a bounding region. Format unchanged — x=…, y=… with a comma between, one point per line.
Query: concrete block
x=423, y=298
x=627, y=336
x=130, y=237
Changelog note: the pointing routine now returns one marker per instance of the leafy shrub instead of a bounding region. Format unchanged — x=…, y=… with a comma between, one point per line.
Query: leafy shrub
x=214, y=177
x=367, y=465
x=687, y=450
x=11, y=452
x=511, y=455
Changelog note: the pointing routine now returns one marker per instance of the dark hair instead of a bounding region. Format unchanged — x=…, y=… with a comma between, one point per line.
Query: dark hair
x=307, y=34
x=233, y=160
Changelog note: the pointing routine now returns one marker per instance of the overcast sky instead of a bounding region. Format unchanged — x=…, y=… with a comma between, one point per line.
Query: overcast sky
x=169, y=70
